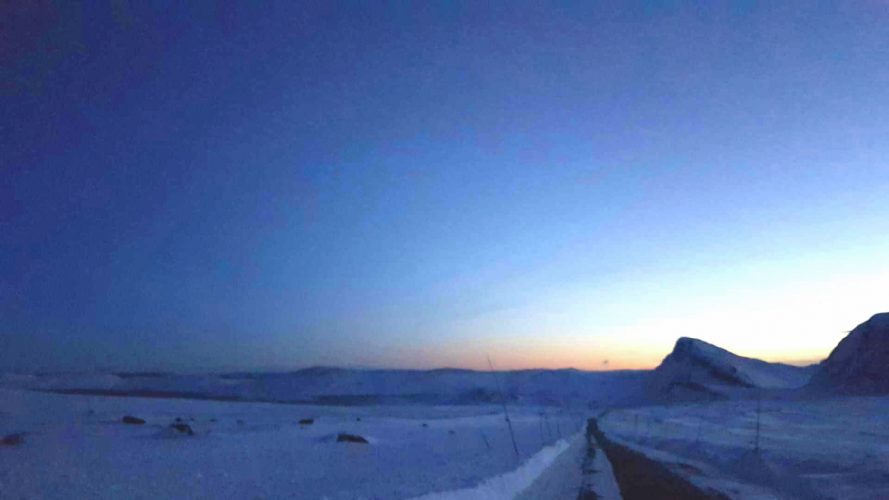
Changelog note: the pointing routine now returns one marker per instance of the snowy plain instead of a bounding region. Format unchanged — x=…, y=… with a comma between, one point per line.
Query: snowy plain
x=77, y=447
x=339, y=386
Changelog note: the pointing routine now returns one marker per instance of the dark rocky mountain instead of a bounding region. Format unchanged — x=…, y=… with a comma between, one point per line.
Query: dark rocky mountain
x=859, y=364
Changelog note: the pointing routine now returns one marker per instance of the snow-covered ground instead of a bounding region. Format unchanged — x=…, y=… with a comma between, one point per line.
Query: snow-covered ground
x=76, y=446
x=833, y=448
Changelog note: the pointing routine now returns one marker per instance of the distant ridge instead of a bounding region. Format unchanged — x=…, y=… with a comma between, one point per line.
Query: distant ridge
x=351, y=386
x=695, y=370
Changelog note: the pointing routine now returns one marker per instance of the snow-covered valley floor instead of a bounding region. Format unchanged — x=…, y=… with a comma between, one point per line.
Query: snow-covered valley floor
x=833, y=448
x=76, y=446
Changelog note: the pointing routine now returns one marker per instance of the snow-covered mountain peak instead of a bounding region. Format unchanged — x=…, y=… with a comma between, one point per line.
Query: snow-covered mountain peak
x=689, y=346
x=696, y=369
x=880, y=321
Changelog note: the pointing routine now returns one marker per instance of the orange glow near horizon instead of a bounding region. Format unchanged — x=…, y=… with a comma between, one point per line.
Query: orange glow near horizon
x=798, y=323
x=560, y=356
x=796, y=320
x=523, y=355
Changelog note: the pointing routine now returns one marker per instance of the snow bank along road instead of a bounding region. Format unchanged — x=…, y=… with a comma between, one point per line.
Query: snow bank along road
x=832, y=448
x=512, y=483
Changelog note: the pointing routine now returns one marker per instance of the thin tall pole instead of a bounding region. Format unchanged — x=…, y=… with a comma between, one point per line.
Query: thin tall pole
x=540, y=424
x=700, y=426
x=485, y=439
x=515, y=446
x=758, y=411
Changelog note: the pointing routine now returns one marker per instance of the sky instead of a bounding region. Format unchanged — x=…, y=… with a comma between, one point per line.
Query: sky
x=217, y=186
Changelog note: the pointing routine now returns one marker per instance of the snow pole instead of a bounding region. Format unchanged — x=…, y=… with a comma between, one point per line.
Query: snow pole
x=485, y=439
x=700, y=427
x=758, y=411
x=515, y=446
x=540, y=425
x=546, y=423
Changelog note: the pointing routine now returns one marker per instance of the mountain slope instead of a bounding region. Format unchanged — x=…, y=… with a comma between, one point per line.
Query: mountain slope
x=699, y=370
x=859, y=364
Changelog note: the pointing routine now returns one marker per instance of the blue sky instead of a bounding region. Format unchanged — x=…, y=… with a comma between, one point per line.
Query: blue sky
x=203, y=188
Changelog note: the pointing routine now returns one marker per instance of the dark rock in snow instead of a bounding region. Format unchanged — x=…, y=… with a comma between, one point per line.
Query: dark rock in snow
x=307, y=421
x=350, y=438
x=182, y=429
x=129, y=419
x=13, y=439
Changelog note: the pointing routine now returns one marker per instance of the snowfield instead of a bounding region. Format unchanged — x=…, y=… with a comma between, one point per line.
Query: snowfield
x=832, y=448
x=76, y=446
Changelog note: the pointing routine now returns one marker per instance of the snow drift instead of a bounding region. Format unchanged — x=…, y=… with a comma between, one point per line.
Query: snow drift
x=510, y=484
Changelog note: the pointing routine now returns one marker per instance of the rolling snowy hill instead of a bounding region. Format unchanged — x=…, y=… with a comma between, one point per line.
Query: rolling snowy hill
x=335, y=386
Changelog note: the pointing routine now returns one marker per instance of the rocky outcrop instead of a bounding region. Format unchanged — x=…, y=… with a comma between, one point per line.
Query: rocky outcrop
x=12, y=439
x=350, y=438
x=183, y=429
